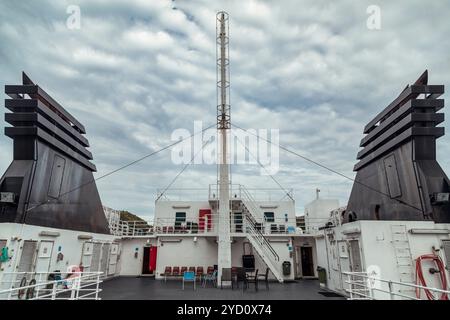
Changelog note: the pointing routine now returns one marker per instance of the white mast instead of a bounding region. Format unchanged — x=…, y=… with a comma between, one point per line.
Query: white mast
x=223, y=128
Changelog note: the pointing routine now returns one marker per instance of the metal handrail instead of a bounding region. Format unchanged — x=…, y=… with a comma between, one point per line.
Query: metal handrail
x=80, y=283
x=263, y=239
x=167, y=225
x=247, y=200
x=390, y=283
x=250, y=218
x=270, y=194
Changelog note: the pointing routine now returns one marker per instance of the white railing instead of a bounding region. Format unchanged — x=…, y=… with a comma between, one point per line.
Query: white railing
x=313, y=225
x=362, y=286
x=257, y=194
x=170, y=225
x=251, y=206
x=133, y=228
x=182, y=194
x=194, y=226
x=37, y=286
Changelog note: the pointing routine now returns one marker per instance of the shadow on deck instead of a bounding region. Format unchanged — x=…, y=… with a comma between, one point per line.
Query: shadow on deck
x=141, y=288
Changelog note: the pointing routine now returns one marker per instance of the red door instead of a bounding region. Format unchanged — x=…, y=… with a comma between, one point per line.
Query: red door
x=205, y=219
x=152, y=258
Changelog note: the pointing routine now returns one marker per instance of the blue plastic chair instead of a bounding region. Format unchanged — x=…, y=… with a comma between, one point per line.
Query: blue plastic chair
x=189, y=276
x=211, y=278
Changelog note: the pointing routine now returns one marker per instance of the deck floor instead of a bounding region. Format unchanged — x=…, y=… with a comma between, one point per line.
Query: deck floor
x=143, y=288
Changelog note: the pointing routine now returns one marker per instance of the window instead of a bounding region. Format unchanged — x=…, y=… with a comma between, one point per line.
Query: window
x=238, y=221
x=269, y=216
x=180, y=217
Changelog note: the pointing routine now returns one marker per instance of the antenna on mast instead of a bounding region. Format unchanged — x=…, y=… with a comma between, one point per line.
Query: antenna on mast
x=223, y=71
x=223, y=128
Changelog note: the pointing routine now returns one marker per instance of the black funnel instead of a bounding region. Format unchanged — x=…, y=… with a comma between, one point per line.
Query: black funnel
x=49, y=182
x=398, y=177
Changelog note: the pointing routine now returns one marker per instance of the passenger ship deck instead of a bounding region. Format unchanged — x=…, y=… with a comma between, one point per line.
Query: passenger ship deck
x=144, y=288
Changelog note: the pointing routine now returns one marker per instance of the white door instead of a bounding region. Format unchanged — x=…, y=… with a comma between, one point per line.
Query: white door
x=355, y=256
x=113, y=258
x=44, y=256
x=27, y=260
x=96, y=253
x=344, y=263
x=298, y=264
x=86, y=256
x=335, y=265
x=105, y=259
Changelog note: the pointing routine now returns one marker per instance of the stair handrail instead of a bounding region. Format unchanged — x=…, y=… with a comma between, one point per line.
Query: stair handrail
x=260, y=236
x=247, y=197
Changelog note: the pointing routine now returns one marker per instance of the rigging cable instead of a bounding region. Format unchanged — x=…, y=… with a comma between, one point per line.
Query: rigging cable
x=124, y=166
x=271, y=176
x=182, y=170
x=329, y=169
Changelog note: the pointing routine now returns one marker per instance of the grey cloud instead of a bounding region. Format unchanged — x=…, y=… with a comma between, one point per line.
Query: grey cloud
x=137, y=70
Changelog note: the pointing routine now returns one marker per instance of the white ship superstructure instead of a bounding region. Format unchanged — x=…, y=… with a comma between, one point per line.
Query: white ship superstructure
x=185, y=233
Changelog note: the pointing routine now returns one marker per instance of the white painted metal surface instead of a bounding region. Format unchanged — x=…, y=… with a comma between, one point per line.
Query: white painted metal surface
x=363, y=286
x=386, y=248
x=223, y=127
x=38, y=286
x=39, y=249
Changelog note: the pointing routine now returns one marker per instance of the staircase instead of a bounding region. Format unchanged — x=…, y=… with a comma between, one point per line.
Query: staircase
x=254, y=218
x=403, y=255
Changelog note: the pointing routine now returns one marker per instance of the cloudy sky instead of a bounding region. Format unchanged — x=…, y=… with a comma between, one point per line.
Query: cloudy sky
x=137, y=70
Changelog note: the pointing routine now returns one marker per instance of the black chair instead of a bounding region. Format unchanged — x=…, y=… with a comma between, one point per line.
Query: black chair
x=240, y=276
x=252, y=279
x=273, y=228
x=265, y=278
x=226, y=276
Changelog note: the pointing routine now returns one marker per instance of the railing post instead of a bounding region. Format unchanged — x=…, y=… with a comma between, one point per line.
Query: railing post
x=371, y=285
x=13, y=276
x=350, y=286
x=55, y=284
x=72, y=290
x=97, y=286
x=37, y=290
x=391, y=293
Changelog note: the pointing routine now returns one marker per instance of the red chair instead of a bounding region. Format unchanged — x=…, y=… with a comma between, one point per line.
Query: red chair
x=199, y=273
x=183, y=270
x=170, y=230
x=192, y=269
x=210, y=270
x=176, y=271
x=167, y=273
